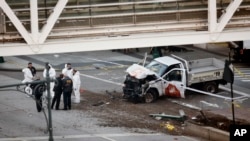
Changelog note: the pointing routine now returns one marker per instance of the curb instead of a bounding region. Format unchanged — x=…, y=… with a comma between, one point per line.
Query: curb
x=209, y=133
x=205, y=132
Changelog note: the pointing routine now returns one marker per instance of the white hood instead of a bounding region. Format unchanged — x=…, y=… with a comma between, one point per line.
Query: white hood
x=77, y=73
x=76, y=79
x=138, y=71
x=52, y=72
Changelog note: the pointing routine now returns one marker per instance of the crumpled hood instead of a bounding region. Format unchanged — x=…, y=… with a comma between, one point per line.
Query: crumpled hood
x=139, y=71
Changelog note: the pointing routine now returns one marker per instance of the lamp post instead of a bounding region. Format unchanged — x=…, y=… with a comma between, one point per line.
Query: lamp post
x=232, y=94
x=50, y=128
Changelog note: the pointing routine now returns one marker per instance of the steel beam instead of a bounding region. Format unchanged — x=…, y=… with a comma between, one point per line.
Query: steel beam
x=136, y=36
x=34, y=20
x=52, y=20
x=2, y=22
x=212, y=15
x=230, y=10
x=19, y=26
x=120, y=42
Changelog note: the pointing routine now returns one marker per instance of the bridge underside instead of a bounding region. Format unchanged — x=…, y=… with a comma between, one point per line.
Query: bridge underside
x=57, y=26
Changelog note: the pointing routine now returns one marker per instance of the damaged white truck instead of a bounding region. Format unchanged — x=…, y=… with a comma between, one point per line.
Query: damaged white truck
x=171, y=76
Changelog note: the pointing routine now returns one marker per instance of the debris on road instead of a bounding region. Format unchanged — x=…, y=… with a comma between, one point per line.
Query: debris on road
x=99, y=103
x=111, y=96
x=120, y=113
x=168, y=126
x=182, y=117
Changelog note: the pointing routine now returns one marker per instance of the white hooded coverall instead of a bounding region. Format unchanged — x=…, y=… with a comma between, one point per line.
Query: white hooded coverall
x=27, y=75
x=52, y=75
x=76, y=86
x=67, y=72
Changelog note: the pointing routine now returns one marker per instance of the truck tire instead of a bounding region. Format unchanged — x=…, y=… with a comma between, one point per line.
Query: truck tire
x=150, y=96
x=211, y=87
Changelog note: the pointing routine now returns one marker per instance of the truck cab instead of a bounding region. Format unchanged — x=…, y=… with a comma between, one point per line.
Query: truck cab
x=156, y=79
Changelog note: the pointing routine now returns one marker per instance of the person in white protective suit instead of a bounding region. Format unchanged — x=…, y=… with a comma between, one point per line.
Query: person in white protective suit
x=68, y=70
x=76, y=85
x=52, y=75
x=28, y=77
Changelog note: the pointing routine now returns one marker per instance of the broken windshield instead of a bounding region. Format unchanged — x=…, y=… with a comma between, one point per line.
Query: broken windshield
x=157, y=67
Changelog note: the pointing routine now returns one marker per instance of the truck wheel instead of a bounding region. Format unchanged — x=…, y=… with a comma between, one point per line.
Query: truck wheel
x=150, y=96
x=211, y=87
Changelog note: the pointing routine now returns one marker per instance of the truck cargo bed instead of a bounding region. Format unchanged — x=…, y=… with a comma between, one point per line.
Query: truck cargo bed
x=203, y=70
x=208, y=64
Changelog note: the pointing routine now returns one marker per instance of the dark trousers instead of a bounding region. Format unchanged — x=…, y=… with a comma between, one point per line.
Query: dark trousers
x=67, y=100
x=56, y=99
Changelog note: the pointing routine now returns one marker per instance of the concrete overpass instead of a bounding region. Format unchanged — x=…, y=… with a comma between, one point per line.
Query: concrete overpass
x=57, y=26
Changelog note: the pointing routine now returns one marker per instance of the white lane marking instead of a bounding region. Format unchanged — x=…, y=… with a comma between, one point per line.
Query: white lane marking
x=239, y=76
x=97, y=60
x=245, y=73
x=245, y=80
x=246, y=69
x=104, y=80
x=106, y=61
x=235, y=91
x=105, y=136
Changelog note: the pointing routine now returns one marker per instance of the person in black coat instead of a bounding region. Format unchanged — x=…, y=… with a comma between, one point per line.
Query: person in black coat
x=67, y=85
x=32, y=69
x=58, y=92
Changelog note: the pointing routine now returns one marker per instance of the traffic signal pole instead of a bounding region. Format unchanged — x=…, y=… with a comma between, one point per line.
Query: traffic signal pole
x=50, y=128
x=232, y=95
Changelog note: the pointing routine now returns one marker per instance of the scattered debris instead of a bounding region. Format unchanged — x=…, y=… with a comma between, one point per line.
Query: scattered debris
x=186, y=105
x=204, y=103
x=110, y=95
x=114, y=95
x=168, y=126
x=119, y=113
x=182, y=117
x=99, y=103
x=99, y=66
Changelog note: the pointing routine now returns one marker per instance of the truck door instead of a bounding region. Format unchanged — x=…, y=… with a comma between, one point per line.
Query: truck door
x=173, y=82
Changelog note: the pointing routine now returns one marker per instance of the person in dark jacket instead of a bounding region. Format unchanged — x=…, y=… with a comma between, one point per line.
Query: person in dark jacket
x=67, y=85
x=32, y=69
x=58, y=92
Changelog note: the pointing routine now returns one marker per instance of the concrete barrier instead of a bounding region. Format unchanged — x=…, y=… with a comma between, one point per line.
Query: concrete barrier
x=208, y=133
